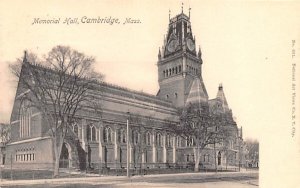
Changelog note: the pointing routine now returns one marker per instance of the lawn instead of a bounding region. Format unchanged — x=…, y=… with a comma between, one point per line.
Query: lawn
x=22, y=174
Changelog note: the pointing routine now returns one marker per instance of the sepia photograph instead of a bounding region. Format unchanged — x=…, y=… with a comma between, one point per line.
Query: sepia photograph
x=149, y=93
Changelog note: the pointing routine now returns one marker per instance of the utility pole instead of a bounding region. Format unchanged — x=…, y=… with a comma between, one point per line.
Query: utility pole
x=128, y=152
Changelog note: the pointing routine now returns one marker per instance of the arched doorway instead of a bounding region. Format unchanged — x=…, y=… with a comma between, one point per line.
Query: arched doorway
x=65, y=156
x=219, y=158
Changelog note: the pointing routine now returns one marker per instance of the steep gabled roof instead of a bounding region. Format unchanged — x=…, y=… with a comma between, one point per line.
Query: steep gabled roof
x=221, y=97
x=197, y=92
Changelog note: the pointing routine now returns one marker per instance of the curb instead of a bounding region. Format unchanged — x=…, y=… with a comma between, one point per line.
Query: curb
x=107, y=179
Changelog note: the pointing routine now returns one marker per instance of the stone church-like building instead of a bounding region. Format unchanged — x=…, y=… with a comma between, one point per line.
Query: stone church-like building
x=102, y=143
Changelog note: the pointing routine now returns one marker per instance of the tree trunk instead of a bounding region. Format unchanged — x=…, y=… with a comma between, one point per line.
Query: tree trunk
x=56, y=167
x=197, y=164
x=197, y=158
x=216, y=167
x=57, y=151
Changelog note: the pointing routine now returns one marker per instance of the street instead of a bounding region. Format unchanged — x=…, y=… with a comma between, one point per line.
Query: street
x=191, y=180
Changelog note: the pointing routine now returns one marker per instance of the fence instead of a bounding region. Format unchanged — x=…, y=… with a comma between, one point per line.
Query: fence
x=152, y=168
x=16, y=171
x=24, y=171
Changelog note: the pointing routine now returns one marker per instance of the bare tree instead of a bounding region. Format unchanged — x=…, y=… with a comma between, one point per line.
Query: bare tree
x=58, y=87
x=201, y=127
x=252, y=155
x=226, y=147
x=137, y=135
x=4, y=133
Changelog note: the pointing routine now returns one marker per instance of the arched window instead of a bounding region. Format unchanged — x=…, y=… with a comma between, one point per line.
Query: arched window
x=168, y=140
x=178, y=141
x=170, y=72
x=122, y=136
x=166, y=73
x=186, y=141
x=148, y=139
x=176, y=70
x=158, y=139
x=190, y=141
x=173, y=71
x=219, y=158
x=179, y=69
x=75, y=128
x=88, y=133
x=107, y=135
x=206, y=158
x=93, y=133
x=25, y=119
x=136, y=137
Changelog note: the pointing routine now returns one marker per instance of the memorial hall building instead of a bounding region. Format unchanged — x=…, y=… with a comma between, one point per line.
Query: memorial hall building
x=101, y=142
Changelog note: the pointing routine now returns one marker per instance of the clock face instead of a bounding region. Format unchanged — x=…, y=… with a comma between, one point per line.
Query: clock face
x=190, y=44
x=172, y=45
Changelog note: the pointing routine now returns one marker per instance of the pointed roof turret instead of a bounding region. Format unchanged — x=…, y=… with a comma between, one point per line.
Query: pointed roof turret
x=159, y=54
x=241, y=132
x=199, y=53
x=222, y=98
x=179, y=35
x=197, y=92
x=25, y=57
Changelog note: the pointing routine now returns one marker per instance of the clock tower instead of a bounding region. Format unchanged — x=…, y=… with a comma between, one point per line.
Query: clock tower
x=180, y=66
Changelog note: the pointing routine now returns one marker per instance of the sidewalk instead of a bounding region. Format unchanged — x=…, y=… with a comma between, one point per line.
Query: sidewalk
x=108, y=179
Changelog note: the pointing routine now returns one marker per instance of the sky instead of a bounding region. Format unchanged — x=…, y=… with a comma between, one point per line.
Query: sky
x=244, y=45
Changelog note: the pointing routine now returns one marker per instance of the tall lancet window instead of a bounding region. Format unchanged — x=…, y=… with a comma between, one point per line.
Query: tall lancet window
x=75, y=128
x=91, y=133
x=25, y=119
x=107, y=135
x=148, y=139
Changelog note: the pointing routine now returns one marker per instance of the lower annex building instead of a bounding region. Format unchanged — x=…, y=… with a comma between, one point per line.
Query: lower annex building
x=102, y=143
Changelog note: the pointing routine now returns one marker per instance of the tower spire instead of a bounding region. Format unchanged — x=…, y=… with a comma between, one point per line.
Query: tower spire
x=241, y=134
x=182, y=7
x=159, y=54
x=220, y=86
x=199, y=52
x=221, y=97
x=189, y=12
x=175, y=65
x=25, y=56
